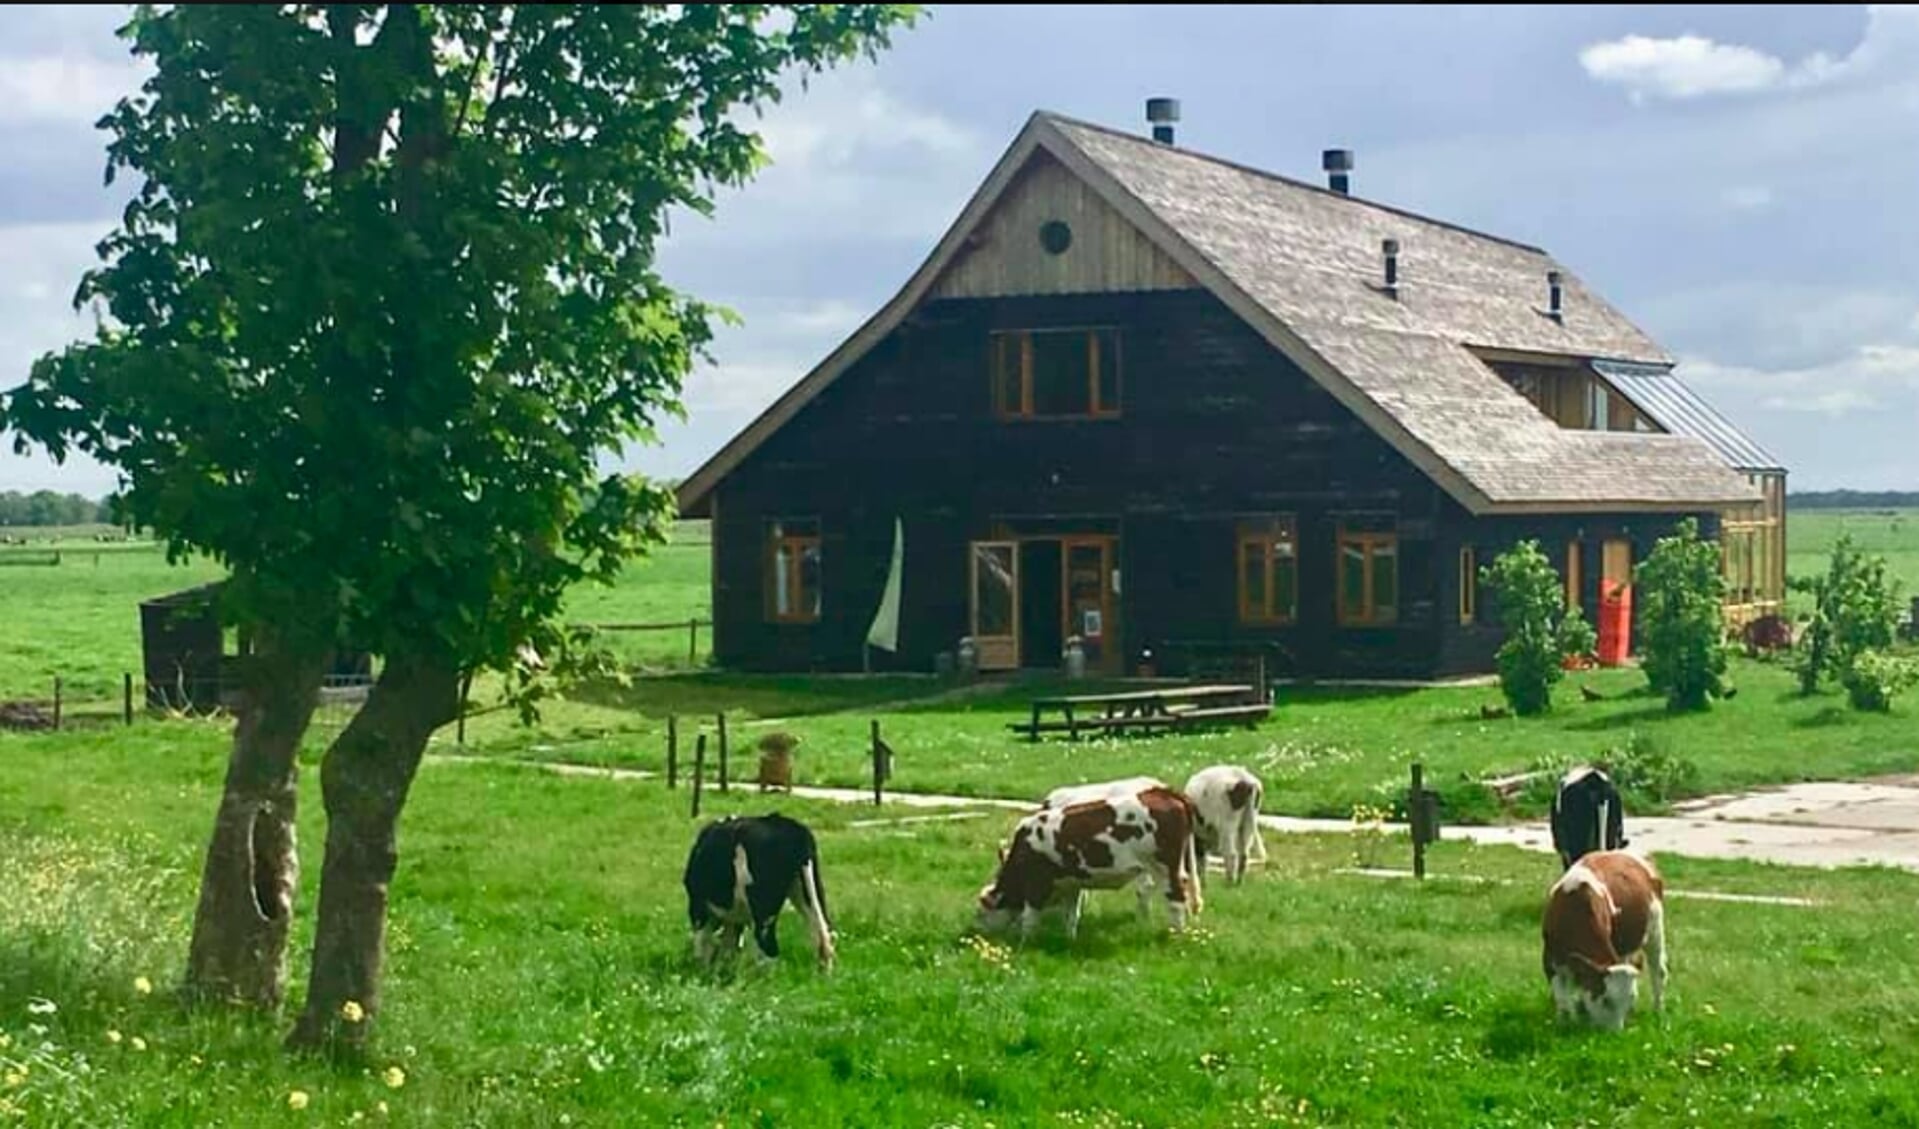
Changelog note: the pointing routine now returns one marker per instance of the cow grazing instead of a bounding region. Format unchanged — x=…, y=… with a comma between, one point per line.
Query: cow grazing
x=1079, y=793
x=740, y=872
x=1139, y=839
x=1587, y=815
x=1605, y=920
x=1227, y=798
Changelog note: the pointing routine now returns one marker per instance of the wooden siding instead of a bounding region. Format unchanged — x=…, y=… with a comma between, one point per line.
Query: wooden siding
x=1107, y=252
x=1215, y=425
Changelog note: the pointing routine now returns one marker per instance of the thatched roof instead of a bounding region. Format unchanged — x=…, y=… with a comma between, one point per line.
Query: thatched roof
x=1302, y=265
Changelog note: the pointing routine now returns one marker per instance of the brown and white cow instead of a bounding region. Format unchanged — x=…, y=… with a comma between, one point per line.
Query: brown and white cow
x=1227, y=798
x=1605, y=920
x=1141, y=839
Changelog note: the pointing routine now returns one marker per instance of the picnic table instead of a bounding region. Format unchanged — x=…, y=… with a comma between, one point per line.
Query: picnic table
x=1166, y=707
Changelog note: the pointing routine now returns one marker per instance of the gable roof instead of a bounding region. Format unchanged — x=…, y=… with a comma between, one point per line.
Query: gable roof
x=1300, y=264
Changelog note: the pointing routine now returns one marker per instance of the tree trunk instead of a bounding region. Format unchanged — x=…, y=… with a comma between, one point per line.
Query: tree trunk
x=365, y=779
x=238, y=952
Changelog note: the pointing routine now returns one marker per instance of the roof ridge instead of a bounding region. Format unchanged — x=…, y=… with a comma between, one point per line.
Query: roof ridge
x=1292, y=182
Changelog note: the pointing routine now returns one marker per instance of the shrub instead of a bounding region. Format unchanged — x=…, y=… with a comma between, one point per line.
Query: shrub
x=1874, y=679
x=1647, y=774
x=1682, y=597
x=1855, y=611
x=1541, y=631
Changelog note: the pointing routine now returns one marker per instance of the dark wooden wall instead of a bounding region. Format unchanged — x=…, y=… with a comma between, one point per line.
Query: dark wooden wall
x=1215, y=424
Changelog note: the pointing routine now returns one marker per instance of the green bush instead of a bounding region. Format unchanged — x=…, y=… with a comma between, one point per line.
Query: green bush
x=1647, y=774
x=1873, y=679
x=1682, y=600
x=1855, y=612
x=1541, y=631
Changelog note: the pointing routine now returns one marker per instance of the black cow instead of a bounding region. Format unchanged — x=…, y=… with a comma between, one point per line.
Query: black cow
x=741, y=871
x=1587, y=816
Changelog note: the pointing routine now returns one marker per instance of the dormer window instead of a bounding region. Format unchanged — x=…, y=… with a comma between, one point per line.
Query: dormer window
x=1056, y=373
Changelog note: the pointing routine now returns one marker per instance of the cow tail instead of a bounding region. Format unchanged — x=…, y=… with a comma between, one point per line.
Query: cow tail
x=1194, y=897
x=1257, y=848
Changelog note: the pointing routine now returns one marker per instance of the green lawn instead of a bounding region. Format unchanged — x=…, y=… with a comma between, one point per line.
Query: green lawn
x=1322, y=750
x=538, y=975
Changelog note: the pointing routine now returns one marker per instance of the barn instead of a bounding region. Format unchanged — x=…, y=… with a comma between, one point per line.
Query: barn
x=1175, y=407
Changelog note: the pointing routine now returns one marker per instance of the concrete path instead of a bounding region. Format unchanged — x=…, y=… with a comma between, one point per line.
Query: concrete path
x=1829, y=825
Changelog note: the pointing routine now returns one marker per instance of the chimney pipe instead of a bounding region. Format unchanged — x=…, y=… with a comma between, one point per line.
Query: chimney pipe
x=1161, y=113
x=1553, y=299
x=1390, y=248
x=1338, y=164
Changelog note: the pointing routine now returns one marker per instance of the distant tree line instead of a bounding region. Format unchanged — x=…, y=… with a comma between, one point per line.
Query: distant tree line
x=1855, y=500
x=44, y=507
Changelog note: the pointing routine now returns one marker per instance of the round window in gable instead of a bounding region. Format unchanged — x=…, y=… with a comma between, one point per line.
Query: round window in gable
x=1055, y=236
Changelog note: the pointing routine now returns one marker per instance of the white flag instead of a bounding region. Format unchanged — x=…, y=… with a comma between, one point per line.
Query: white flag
x=885, y=632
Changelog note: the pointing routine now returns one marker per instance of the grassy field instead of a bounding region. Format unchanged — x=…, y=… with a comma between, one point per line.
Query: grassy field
x=538, y=978
x=1892, y=534
x=1322, y=750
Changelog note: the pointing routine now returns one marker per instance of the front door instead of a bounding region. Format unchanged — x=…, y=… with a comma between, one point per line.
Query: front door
x=1087, y=569
x=1615, y=565
x=995, y=603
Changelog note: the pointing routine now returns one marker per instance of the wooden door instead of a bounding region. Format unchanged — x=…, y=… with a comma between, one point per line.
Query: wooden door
x=1615, y=565
x=994, y=597
x=1086, y=570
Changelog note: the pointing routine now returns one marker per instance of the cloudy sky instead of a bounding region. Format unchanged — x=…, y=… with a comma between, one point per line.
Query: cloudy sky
x=1740, y=181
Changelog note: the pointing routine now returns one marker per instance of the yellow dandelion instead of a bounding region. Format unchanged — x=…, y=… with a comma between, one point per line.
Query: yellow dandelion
x=352, y=1012
x=380, y=1108
x=143, y=986
x=113, y=1037
x=394, y=1077
x=297, y=1099
x=137, y=1043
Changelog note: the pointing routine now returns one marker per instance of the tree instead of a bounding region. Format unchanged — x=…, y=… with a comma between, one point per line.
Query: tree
x=1682, y=597
x=1542, y=630
x=1855, y=611
x=385, y=297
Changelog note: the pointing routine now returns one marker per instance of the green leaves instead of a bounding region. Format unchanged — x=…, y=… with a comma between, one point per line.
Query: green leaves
x=386, y=295
x=1541, y=631
x=1855, y=616
x=1682, y=596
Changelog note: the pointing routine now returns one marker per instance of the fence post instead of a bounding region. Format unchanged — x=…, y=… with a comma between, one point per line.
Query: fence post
x=1415, y=818
x=672, y=751
x=879, y=761
x=127, y=696
x=693, y=641
x=466, y=687
x=723, y=783
x=56, y=701
x=699, y=771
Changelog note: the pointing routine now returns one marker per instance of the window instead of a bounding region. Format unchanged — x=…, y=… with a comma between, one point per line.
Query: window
x=1468, y=585
x=1368, y=572
x=1598, y=406
x=1056, y=373
x=1268, y=570
x=793, y=571
x=1573, y=578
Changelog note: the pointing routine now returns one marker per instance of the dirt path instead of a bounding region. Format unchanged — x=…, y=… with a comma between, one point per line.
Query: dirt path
x=1820, y=824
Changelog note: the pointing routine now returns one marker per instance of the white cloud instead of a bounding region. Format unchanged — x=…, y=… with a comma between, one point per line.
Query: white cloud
x=1838, y=402
x=1692, y=66
x=63, y=88
x=1861, y=380
x=1747, y=197
x=1686, y=67
x=832, y=316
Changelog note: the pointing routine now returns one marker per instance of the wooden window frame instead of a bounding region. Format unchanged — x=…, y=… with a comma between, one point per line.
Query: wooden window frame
x=796, y=544
x=1262, y=532
x=1368, y=542
x=1468, y=586
x=1098, y=337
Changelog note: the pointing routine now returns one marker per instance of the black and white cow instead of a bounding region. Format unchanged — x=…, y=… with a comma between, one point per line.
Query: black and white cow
x=1587, y=816
x=739, y=874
